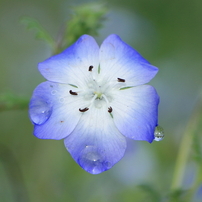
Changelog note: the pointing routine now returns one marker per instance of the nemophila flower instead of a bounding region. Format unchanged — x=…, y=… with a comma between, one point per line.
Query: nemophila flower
x=94, y=99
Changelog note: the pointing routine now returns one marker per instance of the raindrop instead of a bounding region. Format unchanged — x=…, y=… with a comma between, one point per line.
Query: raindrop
x=62, y=100
x=98, y=104
x=39, y=111
x=158, y=133
x=90, y=85
x=93, y=161
x=53, y=92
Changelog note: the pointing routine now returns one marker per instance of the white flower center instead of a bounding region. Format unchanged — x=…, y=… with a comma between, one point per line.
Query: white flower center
x=98, y=92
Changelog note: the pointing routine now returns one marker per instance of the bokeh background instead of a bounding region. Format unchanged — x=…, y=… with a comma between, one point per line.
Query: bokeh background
x=167, y=33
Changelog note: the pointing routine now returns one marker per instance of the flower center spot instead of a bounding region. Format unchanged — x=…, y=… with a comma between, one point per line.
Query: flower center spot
x=99, y=95
x=97, y=91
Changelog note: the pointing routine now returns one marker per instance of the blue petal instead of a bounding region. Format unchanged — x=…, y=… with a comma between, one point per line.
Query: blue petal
x=135, y=112
x=119, y=60
x=54, y=111
x=73, y=63
x=96, y=144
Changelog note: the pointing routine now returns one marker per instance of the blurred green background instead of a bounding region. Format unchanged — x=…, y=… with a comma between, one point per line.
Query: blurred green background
x=168, y=34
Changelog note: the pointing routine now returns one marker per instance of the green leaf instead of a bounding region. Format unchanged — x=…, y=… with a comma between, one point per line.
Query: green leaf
x=178, y=195
x=86, y=19
x=154, y=195
x=196, y=148
x=197, y=139
x=41, y=33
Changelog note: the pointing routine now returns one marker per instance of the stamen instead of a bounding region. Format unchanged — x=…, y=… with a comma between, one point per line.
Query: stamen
x=72, y=92
x=93, y=99
x=121, y=80
x=110, y=109
x=90, y=68
x=84, y=109
x=106, y=100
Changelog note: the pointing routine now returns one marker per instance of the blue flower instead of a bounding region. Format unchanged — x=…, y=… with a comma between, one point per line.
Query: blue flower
x=94, y=99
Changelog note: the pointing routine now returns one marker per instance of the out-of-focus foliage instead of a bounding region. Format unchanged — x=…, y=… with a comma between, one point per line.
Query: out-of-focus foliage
x=151, y=193
x=86, y=19
x=41, y=33
x=10, y=101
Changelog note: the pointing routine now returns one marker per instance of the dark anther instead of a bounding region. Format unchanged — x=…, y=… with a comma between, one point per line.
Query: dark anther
x=90, y=68
x=121, y=80
x=84, y=109
x=110, y=109
x=72, y=93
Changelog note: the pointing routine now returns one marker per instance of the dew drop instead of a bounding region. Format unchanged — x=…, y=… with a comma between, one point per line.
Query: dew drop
x=39, y=111
x=53, y=92
x=98, y=104
x=62, y=100
x=158, y=133
x=93, y=161
x=90, y=85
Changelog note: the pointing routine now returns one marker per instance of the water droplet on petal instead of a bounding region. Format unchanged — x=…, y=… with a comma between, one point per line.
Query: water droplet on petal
x=158, y=133
x=93, y=161
x=39, y=111
x=53, y=92
x=98, y=104
x=62, y=100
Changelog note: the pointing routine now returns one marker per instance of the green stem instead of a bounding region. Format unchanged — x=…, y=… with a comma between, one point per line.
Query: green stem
x=9, y=101
x=196, y=184
x=14, y=174
x=185, y=148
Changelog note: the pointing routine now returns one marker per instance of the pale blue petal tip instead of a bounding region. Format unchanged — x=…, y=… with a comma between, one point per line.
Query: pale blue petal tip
x=39, y=111
x=93, y=161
